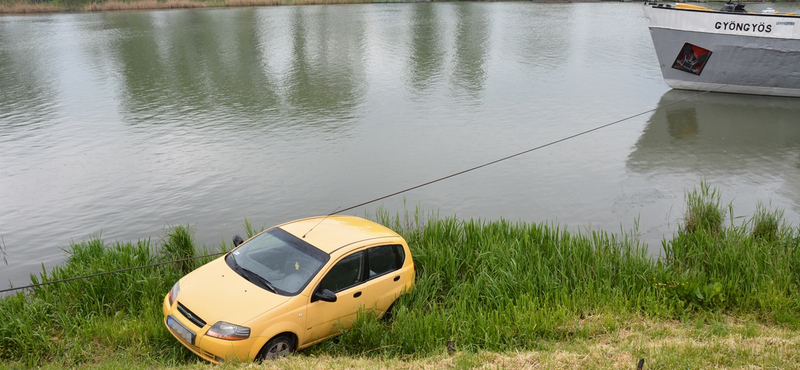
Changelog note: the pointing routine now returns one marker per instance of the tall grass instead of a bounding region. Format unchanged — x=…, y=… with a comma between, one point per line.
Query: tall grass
x=27, y=6
x=767, y=224
x=23, y=7
x=480, y=285
x=75, y=321
x=95, y=6
x=754, y=266
x=502, y=285
x=178, y=245
x=703, y=210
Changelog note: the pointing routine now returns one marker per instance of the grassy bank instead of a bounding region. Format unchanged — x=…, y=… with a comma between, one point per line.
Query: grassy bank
x=700, y=344
x=502, y=294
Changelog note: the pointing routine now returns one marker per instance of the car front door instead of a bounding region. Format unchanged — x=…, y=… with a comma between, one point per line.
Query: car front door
x=323, y=319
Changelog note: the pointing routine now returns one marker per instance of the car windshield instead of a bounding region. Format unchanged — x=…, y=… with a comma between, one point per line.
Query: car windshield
x=277, y=261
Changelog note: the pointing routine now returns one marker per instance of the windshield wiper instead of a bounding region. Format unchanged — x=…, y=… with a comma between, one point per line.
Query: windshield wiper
x=261, y=280
x=245, y=273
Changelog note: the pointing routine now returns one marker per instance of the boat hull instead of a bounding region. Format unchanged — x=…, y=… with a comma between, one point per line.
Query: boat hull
x=735, y=53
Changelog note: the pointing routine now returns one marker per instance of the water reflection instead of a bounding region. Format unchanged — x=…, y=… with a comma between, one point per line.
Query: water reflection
x=26, y=82
x=548, y=40
x=427, y=57
x=471, y=43
x=203, y=67
x=157, y=78
x=722, y=135
x=326, y=79
x=278, y=67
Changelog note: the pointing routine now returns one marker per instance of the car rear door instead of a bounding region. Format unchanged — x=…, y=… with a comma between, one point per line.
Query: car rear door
x=383, y=282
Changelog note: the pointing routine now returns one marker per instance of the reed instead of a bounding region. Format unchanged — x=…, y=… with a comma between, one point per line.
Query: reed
x=73, y=322
x=68, y=321
x=233, y=3
x=767, y=224
x=26, y=7
x=742, y=267
x=113, y=5
x=20, y=7
x=703, y=210
x=178, y=245
x=501, y=286
x=249, y=230
x=480, y=286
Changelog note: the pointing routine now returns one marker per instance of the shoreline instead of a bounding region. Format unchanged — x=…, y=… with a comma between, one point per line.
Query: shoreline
x=25, y=7
x=488, y=294
x=115, y=5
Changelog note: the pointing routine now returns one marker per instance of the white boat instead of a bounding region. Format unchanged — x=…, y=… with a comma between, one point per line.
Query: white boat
x=727, y=50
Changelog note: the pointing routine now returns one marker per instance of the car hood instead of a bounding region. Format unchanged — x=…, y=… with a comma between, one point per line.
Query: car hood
x=214, y=292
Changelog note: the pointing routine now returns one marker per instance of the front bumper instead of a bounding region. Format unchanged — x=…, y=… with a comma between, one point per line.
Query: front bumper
x=213, y=350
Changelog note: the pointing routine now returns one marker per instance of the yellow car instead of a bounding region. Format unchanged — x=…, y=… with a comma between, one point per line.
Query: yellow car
x=288, y=287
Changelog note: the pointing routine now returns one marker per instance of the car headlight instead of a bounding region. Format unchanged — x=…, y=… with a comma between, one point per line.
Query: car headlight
x=224, y=330
x=173, y=293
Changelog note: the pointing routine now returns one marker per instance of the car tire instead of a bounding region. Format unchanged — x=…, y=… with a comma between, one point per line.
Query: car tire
x=387, y=316
x=277, y=347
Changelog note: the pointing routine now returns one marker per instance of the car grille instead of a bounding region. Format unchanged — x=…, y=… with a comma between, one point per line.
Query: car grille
x=191, y=316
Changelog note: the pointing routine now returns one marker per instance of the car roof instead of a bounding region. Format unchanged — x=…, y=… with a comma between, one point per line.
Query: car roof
x=330, y=233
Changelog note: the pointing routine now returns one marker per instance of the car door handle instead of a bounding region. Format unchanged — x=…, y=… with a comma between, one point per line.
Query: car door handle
x=358, y=294
x=397, y=278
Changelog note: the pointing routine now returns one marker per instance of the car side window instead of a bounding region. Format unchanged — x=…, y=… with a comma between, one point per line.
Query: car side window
x=344, y=274
x=384, y=259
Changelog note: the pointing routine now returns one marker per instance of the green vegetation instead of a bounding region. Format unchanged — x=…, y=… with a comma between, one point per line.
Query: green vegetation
x=76, y=321
x=703, y=211
x=51, y=6
x=502, y=294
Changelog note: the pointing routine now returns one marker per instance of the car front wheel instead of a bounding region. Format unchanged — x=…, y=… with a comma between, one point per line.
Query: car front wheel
x=280, y=346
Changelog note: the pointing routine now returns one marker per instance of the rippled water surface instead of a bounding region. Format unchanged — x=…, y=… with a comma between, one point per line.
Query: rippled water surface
x=123, y=123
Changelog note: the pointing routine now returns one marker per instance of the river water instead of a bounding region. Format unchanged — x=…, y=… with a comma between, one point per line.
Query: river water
x=123, y=123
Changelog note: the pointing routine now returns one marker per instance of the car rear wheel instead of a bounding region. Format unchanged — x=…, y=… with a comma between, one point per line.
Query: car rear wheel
x=280, y=346
x=387, y=316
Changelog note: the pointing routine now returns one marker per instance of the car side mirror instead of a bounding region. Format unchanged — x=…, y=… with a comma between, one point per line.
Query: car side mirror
x=237, y=240
x=324, y=295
